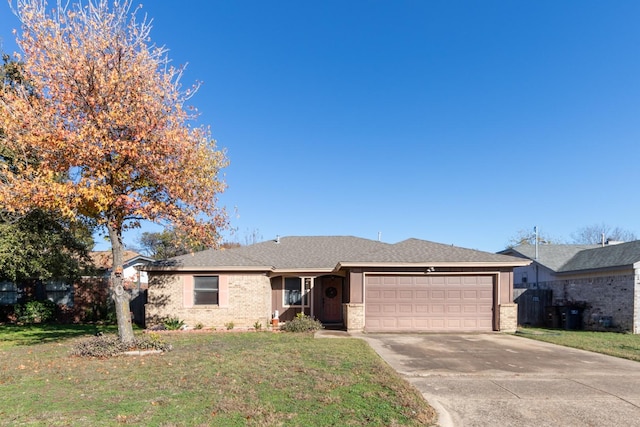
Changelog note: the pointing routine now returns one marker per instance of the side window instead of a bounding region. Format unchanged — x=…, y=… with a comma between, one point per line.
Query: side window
x=205, y=290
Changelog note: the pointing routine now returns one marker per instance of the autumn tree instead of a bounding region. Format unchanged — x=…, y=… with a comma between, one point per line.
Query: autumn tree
x=37, y=245
x=109, y=125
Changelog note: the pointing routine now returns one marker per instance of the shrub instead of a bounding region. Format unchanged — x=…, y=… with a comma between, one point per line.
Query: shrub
x=302, y=323
x=198, y=325
x=257, y=326
x=110, y=345
x=173, y=324
x=229, y=325
x=36, y=311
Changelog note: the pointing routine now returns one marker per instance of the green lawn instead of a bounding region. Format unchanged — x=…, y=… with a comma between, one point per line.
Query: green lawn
x=222, y=379
x=622, y=345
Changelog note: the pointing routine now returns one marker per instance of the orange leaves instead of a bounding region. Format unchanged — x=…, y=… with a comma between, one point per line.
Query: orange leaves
x=107, y=134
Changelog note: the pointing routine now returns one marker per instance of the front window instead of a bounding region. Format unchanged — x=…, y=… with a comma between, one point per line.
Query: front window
x=296, y=291
x=205, y=290
x=8, y=293
x=59, y=292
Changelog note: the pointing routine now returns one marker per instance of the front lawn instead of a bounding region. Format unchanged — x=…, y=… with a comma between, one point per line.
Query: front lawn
x=222, y=379
x=13, y=335
x=622, y=345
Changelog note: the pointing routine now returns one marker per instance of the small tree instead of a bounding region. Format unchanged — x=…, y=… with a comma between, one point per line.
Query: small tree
x=165, y=244
x=108, y=125
x=596, y=233
x=529, y=237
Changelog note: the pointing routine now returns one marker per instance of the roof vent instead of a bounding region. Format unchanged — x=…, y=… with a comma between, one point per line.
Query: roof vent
x=277, y=238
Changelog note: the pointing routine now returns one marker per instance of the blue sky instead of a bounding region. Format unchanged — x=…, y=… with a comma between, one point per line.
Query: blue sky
x=460, y=122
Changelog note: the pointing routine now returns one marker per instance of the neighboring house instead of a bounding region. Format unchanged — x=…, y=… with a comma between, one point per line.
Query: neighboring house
x=349, y=282
x=86, y=299
x=598, y=285
x=133, y=276
x=135, y=280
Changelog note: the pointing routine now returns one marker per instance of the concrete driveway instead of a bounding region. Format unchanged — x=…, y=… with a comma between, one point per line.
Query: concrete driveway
x=504, y=380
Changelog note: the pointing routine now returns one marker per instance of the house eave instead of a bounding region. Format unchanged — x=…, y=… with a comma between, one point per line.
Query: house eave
x=200, y=268
x=600, y=269
x=523, y=263
x=301, y=271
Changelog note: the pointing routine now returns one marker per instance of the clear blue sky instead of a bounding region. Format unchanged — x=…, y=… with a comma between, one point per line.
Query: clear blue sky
x=460, y=122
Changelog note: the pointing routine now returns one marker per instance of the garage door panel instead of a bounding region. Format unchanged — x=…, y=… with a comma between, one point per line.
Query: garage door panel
x=454, y=295
x=404, y=323
x=453, y=323
x=485, y=294
x=421, y=308
x=438, y=308
x=471, y=294
x=389, y=323
x=421, y=294
x=389, y=309
x=429, y=303
x=436, y=294
x=454, y=309
x=405, y=294
x=374, y=294
x=389, y=294
x=405, y=308
x=453, y=280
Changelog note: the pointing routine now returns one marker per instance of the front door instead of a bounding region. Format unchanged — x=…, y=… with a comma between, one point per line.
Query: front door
x=331, y=300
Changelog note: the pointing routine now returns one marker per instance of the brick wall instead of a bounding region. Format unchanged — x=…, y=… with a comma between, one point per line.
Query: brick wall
x=354, y=317
x=248, y=300
x=508, y=318
x=603, y=297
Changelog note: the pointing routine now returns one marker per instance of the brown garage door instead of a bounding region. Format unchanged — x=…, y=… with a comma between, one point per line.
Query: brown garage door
x=429, y=303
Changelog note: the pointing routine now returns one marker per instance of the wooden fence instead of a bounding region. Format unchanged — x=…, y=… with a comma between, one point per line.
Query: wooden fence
x=532, y=306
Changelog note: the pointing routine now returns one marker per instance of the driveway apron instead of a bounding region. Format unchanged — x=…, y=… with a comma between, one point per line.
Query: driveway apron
x=505, y=380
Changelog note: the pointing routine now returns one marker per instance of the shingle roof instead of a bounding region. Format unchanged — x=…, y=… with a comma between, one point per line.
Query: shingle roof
x=423, y=251
x=551, y=256
x=571, y=258
x=619, y=255
x=326, y=252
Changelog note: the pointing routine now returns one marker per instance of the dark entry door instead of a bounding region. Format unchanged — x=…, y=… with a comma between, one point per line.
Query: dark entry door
x=331, y=300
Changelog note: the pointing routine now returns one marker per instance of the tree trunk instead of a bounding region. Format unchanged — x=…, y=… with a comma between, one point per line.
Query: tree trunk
x=120, y=296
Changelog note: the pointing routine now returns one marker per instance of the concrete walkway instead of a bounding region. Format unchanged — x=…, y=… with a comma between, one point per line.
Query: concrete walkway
x=504, y=380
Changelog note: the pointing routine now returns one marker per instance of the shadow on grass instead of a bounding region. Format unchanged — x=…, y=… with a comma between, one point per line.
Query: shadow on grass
x=15, y=335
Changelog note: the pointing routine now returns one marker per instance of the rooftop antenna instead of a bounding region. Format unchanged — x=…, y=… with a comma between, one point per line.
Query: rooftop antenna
x=379, y=236
x=277, y=238
x=535, y=231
